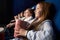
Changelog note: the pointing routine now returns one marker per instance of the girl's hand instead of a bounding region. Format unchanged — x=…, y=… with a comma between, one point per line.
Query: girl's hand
x=21, y=32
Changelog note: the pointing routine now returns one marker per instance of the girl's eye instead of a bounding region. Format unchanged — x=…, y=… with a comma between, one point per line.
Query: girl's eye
x=26, y=12
x=37, y=8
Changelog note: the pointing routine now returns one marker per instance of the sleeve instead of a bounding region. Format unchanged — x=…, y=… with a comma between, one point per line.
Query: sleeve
x=45, y=34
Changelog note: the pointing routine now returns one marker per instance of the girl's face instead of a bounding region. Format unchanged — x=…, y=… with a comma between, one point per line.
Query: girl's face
x=38, y=11
x=27, y=13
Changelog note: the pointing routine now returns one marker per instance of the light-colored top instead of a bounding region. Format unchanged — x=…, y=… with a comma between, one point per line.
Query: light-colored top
x=27, y=19
x=45, y=32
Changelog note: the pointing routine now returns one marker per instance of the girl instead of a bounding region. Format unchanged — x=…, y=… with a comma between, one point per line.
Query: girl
x=42, y=27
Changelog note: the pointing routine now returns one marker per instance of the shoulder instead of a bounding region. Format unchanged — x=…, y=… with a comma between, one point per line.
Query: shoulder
x=47, y=22
x=46, y=25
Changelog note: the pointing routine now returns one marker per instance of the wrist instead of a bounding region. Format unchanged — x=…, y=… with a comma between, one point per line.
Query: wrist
x=25, y=33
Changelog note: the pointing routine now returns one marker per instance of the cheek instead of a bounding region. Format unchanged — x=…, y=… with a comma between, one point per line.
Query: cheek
x=27, y=14
x=37, y=15
x=37, y=11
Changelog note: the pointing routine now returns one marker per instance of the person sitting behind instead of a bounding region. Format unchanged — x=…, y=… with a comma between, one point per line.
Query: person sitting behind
x=27, y=20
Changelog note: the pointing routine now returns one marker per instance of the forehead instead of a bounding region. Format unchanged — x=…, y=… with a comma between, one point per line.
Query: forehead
x=39, y=5
x=27, y=10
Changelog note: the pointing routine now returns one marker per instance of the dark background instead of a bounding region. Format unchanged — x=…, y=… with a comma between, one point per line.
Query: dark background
x=9, y=8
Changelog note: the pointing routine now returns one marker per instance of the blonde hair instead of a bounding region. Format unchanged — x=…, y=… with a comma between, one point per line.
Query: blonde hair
x=45, y=13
